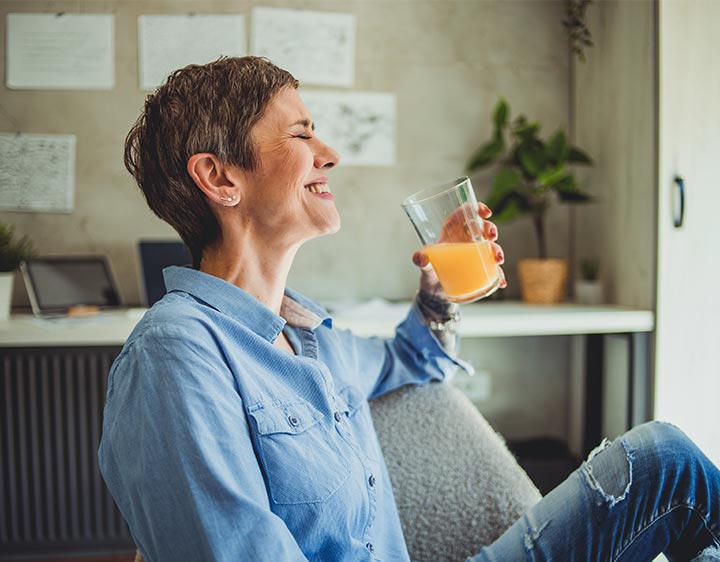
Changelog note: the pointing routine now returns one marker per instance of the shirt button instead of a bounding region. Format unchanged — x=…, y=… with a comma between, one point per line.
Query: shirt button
x=293, y=420
x=371, y=481
x=338, y=417
x=370, y=546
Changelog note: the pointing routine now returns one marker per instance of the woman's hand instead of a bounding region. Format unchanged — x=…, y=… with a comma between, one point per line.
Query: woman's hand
x=456, y=229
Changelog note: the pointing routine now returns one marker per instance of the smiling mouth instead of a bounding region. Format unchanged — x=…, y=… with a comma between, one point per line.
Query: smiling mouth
x=318, y=188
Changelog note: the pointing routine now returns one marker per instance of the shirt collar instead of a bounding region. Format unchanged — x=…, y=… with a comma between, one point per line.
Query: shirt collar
x=240, y=305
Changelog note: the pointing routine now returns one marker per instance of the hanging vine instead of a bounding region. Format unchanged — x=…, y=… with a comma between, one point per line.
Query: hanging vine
x=576, y=26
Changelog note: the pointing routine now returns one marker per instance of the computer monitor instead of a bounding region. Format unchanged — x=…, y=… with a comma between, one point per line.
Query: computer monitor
x=156, y=255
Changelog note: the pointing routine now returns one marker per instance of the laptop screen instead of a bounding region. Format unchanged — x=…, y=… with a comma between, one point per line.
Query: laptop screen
x=60, y=283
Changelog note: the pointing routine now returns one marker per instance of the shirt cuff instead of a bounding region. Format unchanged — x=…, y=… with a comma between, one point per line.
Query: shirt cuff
x=422, y=337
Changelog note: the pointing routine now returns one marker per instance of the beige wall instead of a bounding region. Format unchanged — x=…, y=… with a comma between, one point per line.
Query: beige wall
x=615, y=120
x=447, y=62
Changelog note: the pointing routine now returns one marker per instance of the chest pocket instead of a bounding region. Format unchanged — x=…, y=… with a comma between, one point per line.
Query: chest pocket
x=305, y=461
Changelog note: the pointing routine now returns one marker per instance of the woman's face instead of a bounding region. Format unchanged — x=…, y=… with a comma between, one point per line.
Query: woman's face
x=288, y=193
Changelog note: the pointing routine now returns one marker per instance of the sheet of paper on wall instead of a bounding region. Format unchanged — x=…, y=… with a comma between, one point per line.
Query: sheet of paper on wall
x=60, y=51
x=359, y=125
x=37, y=172
x=316, y=47
x=169, y=42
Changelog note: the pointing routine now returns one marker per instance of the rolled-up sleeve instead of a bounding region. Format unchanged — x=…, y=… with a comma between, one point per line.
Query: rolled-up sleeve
x=177, y=456
x=413, y=356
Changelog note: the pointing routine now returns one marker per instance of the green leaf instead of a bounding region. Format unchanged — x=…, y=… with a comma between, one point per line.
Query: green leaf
x=13, y=251
x=508, y=209
x=569, y=192
x=487, y=153
x=558, y=147
x=500, y=115
x=577, y=156
x=531, y=157
x=504, y=182
x=552, y=175
x=525, y=131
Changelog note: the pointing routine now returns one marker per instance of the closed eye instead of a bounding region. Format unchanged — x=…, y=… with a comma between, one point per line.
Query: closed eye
x=305, y=137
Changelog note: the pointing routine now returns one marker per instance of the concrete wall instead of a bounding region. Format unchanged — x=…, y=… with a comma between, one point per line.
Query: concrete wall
x=615, y=120
x=447, y=62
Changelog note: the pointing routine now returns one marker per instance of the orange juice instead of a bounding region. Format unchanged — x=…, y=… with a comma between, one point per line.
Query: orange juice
x=467, y=270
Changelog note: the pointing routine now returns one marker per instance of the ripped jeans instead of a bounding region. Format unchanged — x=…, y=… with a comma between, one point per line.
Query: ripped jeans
x=650, y=491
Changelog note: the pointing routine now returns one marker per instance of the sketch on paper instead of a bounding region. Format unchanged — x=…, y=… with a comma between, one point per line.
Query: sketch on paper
x=359, y=125
x=37, y=172
x=316, y=47
x=60, y=51
x=169, y=42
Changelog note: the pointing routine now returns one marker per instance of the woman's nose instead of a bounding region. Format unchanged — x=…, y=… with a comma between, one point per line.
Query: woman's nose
x=325, y=157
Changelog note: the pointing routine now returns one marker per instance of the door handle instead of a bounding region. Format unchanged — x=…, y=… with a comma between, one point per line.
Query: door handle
x=678, y=201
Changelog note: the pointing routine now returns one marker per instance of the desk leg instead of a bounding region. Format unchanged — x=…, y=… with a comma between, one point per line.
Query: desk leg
x=594, y=367
x=639, y=379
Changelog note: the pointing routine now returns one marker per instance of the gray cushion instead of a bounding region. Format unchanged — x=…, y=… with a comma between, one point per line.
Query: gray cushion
x=456, y=484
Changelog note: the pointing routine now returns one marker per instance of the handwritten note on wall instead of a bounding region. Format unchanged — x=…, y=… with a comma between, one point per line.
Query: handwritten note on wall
x=316, y=47
x=37, y=172
x=169, y=42
x=60, y=51
x=359, y=125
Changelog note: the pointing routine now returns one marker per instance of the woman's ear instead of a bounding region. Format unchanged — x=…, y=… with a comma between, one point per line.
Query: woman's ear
x=210, y=175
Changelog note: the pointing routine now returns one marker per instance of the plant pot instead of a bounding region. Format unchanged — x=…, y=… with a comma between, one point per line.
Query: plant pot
x=6, y=284
x=588, y=292
x=543, y=281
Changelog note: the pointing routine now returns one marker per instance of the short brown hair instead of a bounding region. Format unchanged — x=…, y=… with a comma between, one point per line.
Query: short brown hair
x=200, y=108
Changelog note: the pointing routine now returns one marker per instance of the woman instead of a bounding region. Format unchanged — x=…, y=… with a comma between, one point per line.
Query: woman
x=236, y=424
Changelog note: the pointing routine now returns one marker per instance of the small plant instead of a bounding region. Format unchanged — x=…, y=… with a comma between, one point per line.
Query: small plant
x=532, y=171
x=590, y=269
x=576, y=26
x=12, y=252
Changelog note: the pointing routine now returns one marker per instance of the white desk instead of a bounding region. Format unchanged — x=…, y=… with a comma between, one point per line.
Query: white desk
x=480, y=320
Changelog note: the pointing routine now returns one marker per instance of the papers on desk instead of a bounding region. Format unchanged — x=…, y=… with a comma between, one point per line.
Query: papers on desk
x=374, y=308
x=373, y=317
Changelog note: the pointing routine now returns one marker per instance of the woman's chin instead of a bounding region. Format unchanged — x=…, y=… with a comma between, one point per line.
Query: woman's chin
x=330, y=229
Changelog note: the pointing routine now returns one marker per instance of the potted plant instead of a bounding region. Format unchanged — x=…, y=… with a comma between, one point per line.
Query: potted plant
x=532, y=174
x=12, y=252
x=588, y=289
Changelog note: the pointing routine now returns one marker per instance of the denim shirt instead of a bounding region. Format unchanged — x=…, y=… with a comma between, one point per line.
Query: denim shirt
x=219, y=446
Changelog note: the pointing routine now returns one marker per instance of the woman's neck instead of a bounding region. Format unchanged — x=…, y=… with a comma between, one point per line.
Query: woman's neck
x=259, y=267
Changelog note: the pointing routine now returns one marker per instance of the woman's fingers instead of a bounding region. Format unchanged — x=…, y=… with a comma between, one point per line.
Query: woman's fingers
x=491, y=231
x=484, y=211
x=503, y=281
x=421, y=259
x=498, y=253
x=500, y=259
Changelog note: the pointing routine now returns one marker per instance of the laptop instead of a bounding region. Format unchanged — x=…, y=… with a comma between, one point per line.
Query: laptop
x=156, y=255
x=58, y=285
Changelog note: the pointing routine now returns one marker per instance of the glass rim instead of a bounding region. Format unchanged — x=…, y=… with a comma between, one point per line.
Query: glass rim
x=432, y=192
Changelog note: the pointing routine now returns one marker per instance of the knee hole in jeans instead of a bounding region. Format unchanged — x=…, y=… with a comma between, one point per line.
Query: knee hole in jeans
x=608, y=470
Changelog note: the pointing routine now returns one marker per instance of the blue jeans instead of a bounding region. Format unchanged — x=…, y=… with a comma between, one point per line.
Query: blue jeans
x=650, y=491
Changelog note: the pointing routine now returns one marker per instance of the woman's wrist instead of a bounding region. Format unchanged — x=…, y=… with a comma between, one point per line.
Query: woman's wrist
x=439, y=314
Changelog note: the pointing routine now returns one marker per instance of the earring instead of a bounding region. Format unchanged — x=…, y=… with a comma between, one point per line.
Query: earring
x=229, y=199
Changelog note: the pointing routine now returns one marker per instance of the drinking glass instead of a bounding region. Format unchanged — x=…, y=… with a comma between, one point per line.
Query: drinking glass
x=446, y=220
